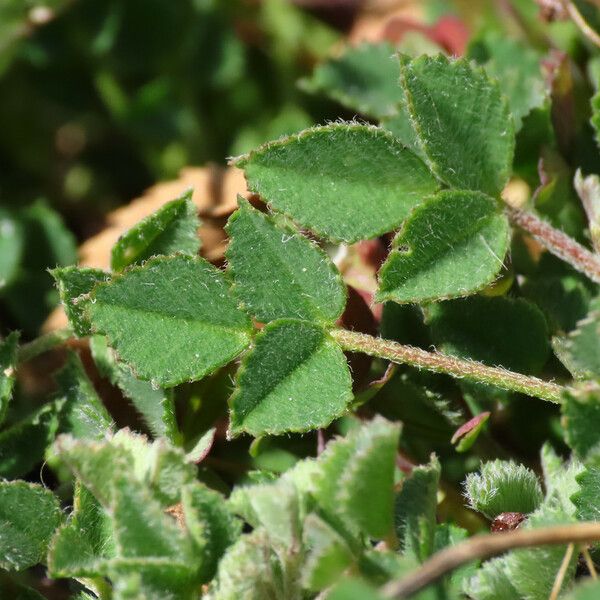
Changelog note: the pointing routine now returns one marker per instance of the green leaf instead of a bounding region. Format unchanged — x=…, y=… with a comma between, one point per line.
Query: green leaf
x=143, y=578
x=358, y=466
x=328, y=554
x=247, y=571
x=416, y=510
x=532, y=571
x=48, y=243
x=560, y=478
x=503, y=486
x=517, y=68
x=581, y=418
x=498, y=331
x=452, y=245
x=586, y=497
x=491, y=582
x=23, y=445
x=155, y=405
x=82, y=545
x=11, y=247
x=302, y=281
x=82, y=414
x=276, y=390
x=586, y=590
x=353, y=589
x=343, y=181
x=462, y=121
x=161, y=466
x=29, y=515
x=173, y=319
x=142, y=530
x=364, y=78
x=173, y=228
x=211, y=525
x=8, y=364
x=579, y=351
x=370, y=474
x=74, y=282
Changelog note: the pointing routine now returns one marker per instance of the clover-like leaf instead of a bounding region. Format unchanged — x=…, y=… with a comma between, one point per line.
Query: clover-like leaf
x=461, y=120
x=173, y=228
x=302, y=281
x=364, y=78
x=452, y=245
x=343, y=181
x=155, y=405
x=29, y=515
x=172, y=320
x=72, y=283
x=276, y=390
x=82, y=415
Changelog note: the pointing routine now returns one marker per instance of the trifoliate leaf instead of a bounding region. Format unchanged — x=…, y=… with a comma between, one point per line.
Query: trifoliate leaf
x=82, y=414
x=462, y=122
x=498, y=331
x=452, y=245
x=155, y=405
x=8, y=365
x=581, y=418
x=80, y=547
x=343, y=181
x=302, y=281
x=579, y=351
x=416, y=509
x=211, y=525
x=23, y=444
x=72, y=283
x=29, y=515
x=503, y=486
x=173, y=228
x=364, y=79
x=172, y=319
x=276, y=390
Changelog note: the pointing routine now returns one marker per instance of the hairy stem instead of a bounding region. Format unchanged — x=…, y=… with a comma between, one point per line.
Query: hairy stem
x=42, y=344
x=442, y=363
x=559, y=243
x=485, y=546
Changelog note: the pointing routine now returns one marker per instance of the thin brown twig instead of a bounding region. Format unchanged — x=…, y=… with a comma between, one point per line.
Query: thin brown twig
x=589, y=562
x=558, y=242
x=562, y=571
x=485, y=546
x=579, y=20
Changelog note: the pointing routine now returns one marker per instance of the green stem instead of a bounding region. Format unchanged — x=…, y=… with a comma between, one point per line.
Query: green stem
x=450, y=365
x=42, y=344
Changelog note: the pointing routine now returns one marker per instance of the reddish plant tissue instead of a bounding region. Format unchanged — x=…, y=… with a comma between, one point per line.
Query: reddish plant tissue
x=507, y=522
